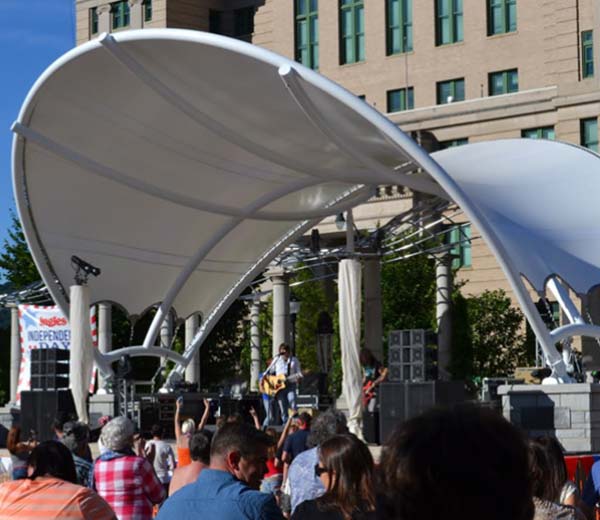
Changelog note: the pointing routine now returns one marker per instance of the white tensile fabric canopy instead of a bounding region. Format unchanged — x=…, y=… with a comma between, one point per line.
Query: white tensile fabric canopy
x=182, y=162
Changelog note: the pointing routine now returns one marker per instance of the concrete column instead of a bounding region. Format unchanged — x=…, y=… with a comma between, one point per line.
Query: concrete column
x=166, y=331
x=103, y=12
x=136, y=14
x=15, y=351
x=254, y=345
x=373, y=309
x=104, y=337
x=349, y=231
x=166, y=334
x=443, y=308
x=281, y=310
x=192, y=371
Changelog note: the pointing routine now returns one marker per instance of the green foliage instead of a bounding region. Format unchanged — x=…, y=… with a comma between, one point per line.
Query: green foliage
x=493, y=344
x=15, y=261
x=408, y=294
x=313, y=301
x=220, y=355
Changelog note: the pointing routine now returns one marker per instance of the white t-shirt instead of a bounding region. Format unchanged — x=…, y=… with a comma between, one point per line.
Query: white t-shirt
x=290, y=368
x=164, y=459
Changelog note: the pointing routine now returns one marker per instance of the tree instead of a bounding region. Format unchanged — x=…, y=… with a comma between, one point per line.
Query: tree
x=408, y=294
x=494, y=344
x=15, y=261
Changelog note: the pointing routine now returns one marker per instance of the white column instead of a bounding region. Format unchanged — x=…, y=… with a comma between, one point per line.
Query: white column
x=443, y=308
x=349, y=231
x=281, y=310
x=254, y=345
x=136, y=16
x=104, y=338
x=166, y=334
x=192, y=371
x=373, y=310
x=15, y=351
x=103, y=12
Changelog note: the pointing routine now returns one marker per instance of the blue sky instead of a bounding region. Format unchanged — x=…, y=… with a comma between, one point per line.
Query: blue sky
x=33, y=33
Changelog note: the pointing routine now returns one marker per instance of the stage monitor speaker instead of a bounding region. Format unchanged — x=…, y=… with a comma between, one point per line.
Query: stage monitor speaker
x=399, y=402
x=40, y=408
x=371, y=427
x=313, y=383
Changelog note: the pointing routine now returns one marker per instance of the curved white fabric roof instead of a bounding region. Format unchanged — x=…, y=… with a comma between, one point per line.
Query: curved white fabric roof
x=541, y=199
x=181, y=162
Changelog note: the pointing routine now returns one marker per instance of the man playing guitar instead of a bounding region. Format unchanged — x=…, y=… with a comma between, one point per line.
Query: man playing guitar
x=287, y=372
x=374, y=373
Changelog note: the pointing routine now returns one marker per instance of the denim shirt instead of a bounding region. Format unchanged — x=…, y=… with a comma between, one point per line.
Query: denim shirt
x=219, y=495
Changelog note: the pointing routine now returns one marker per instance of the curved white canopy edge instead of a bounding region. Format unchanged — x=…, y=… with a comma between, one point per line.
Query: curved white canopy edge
x=182, y=162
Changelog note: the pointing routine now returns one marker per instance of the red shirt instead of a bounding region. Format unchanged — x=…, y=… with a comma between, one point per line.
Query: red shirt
x=129, y=485
x=272, y=469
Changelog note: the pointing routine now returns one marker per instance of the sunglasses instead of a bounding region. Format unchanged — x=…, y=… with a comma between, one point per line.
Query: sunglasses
x=319, y=470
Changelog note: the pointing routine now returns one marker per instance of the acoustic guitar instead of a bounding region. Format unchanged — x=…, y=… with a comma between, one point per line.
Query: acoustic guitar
x=270, y=385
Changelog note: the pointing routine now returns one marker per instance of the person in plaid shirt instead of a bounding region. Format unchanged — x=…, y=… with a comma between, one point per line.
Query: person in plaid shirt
x=125, y=480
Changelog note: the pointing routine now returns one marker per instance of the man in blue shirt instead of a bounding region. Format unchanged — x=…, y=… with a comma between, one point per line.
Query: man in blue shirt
x=227, y=489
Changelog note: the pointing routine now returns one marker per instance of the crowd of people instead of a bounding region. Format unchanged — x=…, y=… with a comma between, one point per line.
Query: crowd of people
x=463, y=462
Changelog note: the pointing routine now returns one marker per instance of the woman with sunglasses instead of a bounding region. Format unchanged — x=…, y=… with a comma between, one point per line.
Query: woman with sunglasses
x=345, y=468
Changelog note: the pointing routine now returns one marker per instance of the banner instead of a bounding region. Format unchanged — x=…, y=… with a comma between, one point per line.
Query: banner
x=45, y=327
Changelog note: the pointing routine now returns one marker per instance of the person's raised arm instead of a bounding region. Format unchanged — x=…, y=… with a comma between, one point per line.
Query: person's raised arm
x=205, y=415
x=178, y=404
x=284, y=433
x=255, y=418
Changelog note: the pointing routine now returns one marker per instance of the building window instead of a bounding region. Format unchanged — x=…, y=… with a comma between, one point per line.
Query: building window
x=503, y=82
x=452, y=143
x=243, y=21
x=459, y=240
x=502, y=16
x=215, y=21
x=449, y=21
x=587, y=54
x=545, y=132
x=119, y=12
x=94, y=20
x=589, y=133
x=400, y=99
x=352, y=31
x=399, y=34
x=147, y=10
x=307, y=33
x=450, y=91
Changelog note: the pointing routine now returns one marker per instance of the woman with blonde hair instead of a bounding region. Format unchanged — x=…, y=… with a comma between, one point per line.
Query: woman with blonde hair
x=345, y=468
x=184, y=431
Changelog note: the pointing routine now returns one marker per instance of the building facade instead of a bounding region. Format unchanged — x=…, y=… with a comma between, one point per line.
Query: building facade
x=462, y=70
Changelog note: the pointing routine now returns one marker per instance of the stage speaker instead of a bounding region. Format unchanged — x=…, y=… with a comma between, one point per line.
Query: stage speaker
x=49, y=369
x=399, y=402
x=314, y=383
x=371, y=427
x=40, y=408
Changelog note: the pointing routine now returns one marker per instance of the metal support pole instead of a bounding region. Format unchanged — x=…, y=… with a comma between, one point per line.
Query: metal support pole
x=443, y=305
x=281, y=310
x=104, y=339
x=192, y=371
x=15, y=351
x=254, y=345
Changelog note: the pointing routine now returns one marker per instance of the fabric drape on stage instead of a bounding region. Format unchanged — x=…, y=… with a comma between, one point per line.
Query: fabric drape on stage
x=349, y=287
x=82, y=354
